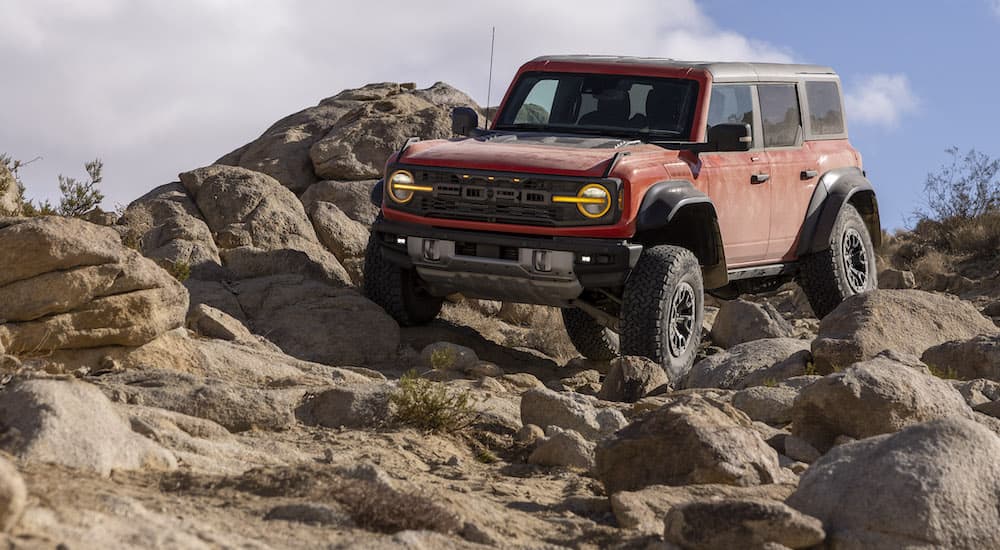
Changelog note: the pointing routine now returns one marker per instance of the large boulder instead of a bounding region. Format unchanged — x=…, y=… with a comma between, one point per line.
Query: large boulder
x=770, y=404
x=569, y=410
x=69, y=284
x=871, y=398
x=751, y=364
x=75, y=425
x=562, y=447
x=346, y=238
x=349, y=136
x=691, y=439
x=931, y=485
x=740, y=321
x=250, y=215
x=740, y=523
x=978, y=357
x=905, y=321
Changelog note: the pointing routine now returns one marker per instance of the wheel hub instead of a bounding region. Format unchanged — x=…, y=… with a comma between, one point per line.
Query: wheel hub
x=855, y=258
x=680, y=321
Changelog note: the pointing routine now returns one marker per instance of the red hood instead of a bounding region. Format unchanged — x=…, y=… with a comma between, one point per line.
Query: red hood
x=534, y=158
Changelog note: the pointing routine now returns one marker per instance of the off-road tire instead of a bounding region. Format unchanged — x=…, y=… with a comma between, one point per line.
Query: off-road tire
x=589, y=337
x=649, y=311
x=397, y=290
x=826, y=277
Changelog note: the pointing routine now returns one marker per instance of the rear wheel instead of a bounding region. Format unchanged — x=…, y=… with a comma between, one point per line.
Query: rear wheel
x=590, y=338
x=845, y=268
x=663, y=308
x=398, y=291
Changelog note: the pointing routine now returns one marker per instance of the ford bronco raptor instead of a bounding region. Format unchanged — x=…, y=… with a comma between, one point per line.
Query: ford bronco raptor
x=622, y=189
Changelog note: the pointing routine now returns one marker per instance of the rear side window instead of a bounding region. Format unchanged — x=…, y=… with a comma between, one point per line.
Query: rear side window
x=730, y=105
x=779, y=109
x=825, y=114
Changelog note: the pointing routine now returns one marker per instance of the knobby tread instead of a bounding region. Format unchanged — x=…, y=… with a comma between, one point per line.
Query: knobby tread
x=647, y=294
x=821, y=274
x=589, y=337
x=392, y=288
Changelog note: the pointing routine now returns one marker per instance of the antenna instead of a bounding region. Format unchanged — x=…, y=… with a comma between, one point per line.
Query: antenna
x=489, y=85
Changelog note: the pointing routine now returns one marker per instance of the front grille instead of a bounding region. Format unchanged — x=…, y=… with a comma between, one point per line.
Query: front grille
x=501, y=198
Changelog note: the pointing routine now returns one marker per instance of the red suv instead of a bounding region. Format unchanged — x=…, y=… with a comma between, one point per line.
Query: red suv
x=621, y=189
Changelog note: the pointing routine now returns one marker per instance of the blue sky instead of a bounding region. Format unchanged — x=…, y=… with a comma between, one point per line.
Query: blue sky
x=946, y=50
x=156, y=88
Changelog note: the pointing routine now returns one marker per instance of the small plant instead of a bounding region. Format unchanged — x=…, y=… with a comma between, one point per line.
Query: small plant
x=487, y=456
x=180, y=270
x=770, y=383
x=430, y=406
x=443, y=358
x=80, y=197
x=946, y=374
x=810, y=369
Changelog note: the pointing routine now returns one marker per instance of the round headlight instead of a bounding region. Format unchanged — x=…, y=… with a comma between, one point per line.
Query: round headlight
x=401, y=186
x=596, y=201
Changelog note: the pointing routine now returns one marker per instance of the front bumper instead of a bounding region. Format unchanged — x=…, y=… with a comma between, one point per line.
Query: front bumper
x=516, y=268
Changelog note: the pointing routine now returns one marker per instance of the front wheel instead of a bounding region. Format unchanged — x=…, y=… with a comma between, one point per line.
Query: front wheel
x=845, y=268
x=398, y=291
x=663, y=308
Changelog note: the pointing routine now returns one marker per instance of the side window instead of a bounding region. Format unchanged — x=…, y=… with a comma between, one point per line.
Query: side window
x=538, y=105
x=825, y=114
x=730, y=104
x=779, y=111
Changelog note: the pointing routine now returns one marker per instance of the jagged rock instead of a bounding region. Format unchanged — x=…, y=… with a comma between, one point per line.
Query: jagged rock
x=562, y=447
x=689, y=440
x=644, y=510
x=751, y=364
x=69, y=284
x=73, y=424
x=629, y=379
x=13, y=495
x=772, y=405
x=905, y=321
x=978, y=357
x=212, y=323
x=582, y=413
x=931, y=485
x=742, y=523
x=871, y=398
x=896, y=279
x=250, y=210
x=351, y=197
x=741, y=321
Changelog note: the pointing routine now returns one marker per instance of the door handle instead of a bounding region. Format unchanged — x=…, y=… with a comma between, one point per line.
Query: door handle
x=808, y=174
x=757, y=179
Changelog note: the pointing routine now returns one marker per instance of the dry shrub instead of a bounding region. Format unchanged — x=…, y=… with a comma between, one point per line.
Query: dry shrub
x=377, y=507
x=930, y=267
x=430, y=406
x=545, y=333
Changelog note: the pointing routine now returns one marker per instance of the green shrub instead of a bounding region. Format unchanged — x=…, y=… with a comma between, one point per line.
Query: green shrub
x=180, y=270
x=443, y=358
x=430, y=406
x=80, y=197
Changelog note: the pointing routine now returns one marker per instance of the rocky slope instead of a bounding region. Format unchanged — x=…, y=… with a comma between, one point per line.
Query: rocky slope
x=205, y=374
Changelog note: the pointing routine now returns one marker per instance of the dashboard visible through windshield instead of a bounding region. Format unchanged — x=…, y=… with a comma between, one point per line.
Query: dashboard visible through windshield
x=639, y=107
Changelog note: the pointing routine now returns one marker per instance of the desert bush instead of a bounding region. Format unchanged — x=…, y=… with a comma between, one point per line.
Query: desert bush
x=430, y=406
x=967, y=187
x=377, y=507
x=80, y=197
x=180, y=270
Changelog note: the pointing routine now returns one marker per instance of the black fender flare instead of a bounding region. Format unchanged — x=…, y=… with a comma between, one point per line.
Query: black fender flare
x=671, y=202
x=836, y=188
x=377, y=193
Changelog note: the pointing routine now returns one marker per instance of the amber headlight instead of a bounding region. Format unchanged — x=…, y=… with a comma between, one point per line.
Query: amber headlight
x=402, y=186
x=593, y=201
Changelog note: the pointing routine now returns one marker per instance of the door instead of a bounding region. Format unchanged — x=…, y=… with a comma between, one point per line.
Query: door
x=793, y=166
x=737, y=181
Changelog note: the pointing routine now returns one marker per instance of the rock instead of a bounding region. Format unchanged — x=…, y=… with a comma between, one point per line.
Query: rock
x=905, y=321
x=349, y=135
x=741, y=321
x=931, y=485
x=98, y=216
x=69, y=284
x=251, y=211
x=346, y=238
x=529, y=434
x=13, y=495
x=74, y=424
x=518, y=314
x=644, y=510
x=690, y=440
x=751, y=363
x=355, y=406
x=165, y=225
x=212, y=323
x=743, y=523
x=871, y=398
x=992, y=310
x=772, y=405
x=563, y=448
x=316, y=514
x=978, y=357
x=979, y=391
x=587, y=382
x=544, y=407
x=799, y=449
x=629, y=379
x=896, y=279
x=351, y=197
x=448, y=356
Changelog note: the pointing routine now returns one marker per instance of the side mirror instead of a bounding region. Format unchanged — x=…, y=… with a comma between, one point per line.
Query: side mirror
x=730, y=137
x=464, y=121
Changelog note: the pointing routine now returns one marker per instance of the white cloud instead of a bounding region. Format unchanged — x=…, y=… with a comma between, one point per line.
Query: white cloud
x=880, y=100
x=159, y=87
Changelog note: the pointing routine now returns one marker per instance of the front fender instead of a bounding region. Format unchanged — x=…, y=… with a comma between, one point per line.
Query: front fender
x=835, y=189
x=664, y=200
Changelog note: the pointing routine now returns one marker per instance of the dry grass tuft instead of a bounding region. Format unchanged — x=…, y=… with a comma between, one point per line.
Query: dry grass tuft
x=379, y=508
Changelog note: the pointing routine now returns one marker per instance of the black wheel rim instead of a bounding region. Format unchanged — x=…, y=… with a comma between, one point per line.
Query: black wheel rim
x=680, y=322
x=855, y=257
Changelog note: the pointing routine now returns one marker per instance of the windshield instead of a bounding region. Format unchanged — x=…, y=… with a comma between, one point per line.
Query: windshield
x=628, y=106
